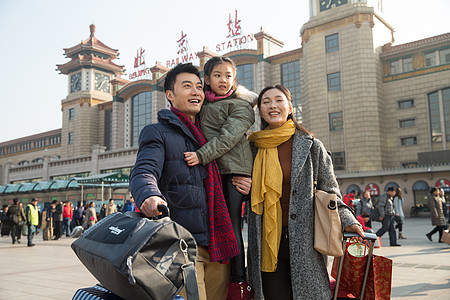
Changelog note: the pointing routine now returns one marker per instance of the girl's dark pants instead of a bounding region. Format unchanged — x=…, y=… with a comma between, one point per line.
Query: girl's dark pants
x=234, y=203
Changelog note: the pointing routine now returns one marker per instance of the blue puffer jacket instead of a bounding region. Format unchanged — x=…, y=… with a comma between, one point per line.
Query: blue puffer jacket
x=160, y=170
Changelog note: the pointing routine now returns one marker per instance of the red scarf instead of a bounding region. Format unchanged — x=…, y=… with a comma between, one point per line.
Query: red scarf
x=222, y=241
x=210, y=96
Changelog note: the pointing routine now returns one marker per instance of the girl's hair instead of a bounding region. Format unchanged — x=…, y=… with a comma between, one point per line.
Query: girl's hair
x=288, y=95
x=214, y=61
x=433, y=189
x=399, y=192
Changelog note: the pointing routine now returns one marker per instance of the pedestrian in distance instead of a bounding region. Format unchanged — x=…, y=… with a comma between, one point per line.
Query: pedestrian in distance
x=111, y=208
x=16, y=217
x=58, y=219
x=129, y=206
x=78, y=214
x=103, y=211
x=282, y=260
x=193, y=194
x=437, y=214
x=32, y=219
x=364, y=208
x=91, y=216
x=399, y=217
x=226, y=116
x=67, y=217
x=385, y=207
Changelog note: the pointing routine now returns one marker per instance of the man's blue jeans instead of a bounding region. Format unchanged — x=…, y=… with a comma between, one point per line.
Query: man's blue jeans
x=30, y=235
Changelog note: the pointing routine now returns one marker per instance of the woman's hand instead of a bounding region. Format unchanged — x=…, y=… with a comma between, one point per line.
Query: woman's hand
x=191, y=158
x=356, y=228
x=242, y=184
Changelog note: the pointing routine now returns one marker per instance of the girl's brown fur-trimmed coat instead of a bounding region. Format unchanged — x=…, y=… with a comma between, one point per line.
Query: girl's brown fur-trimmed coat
x=308, y=268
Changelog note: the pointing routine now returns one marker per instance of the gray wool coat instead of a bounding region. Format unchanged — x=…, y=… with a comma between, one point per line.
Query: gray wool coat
x=308, y=268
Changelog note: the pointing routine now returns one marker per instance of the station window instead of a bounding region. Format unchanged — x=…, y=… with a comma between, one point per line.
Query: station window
x=395, y=67
x=334, y=81
x=407, y=64
x=444, y=56
x=336, y=121
x=408, y=123
x=70, y=137
x=71, y=113
x=430, y=59
x=245, y=76
x=142, y=114
x=290, y=78
x=338, y=159
x=332, y=43
x=406, y=103
x=409, y=141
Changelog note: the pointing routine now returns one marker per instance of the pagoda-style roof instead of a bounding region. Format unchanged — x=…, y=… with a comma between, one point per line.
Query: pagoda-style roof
x=92, y=44
x=91, y=53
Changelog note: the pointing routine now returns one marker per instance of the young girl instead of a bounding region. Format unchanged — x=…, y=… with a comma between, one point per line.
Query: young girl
x=226, y=116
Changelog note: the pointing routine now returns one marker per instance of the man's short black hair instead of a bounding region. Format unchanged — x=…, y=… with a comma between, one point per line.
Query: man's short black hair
x=390, y=189
x=171, y=76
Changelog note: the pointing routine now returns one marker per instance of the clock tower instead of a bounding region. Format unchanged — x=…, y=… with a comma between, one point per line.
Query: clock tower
x=341, y=79
x=89, y=73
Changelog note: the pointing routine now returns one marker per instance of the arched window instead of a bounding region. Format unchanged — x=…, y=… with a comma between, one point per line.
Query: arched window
x=420, y=190
x=353, y=187
x=393, y=184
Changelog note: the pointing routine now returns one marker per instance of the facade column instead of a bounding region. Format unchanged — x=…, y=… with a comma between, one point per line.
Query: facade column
x=96, y=150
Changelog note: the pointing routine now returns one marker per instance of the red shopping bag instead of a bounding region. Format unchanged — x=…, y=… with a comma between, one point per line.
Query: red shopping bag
x=379, y=280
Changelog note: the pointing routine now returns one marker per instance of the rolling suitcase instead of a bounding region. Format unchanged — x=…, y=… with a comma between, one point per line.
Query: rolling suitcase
x=342, y=294
x=5, y=230
x=99, y=292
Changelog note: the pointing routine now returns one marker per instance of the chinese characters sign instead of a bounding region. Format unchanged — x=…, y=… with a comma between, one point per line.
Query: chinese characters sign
x=139, y=61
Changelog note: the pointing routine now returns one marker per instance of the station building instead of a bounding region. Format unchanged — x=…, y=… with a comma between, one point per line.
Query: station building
x=383, y=110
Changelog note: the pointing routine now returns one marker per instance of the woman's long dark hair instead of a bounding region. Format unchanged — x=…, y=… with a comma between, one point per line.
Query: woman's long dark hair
x=288, y=95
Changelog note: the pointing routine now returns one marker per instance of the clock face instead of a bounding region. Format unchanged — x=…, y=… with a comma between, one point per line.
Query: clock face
x=327, y=4
x=75, y=82
x=101, y=82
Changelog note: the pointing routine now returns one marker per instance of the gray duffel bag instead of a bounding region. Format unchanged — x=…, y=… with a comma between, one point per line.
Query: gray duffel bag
x=138, y=258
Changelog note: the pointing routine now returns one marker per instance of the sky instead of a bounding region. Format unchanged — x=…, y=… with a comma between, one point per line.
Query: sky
x=34, y=34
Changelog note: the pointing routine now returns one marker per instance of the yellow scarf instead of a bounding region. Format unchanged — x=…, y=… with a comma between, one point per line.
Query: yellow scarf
x=267, y=182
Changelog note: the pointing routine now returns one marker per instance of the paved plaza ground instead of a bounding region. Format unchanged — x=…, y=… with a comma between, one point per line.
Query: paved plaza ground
x=50, y=270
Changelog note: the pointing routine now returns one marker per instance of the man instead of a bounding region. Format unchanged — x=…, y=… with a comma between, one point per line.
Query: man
x=129, y=206
x=112, y=208
x=17, y=216
x=385, y=207
x=32, y=216
x=161, y=176
x=348, y=199
x=58, y=219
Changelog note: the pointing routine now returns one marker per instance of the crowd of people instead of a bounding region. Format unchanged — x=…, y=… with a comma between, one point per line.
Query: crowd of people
x=57, y=219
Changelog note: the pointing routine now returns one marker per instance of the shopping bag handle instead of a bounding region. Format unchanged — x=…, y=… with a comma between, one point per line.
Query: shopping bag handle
x=367, y=235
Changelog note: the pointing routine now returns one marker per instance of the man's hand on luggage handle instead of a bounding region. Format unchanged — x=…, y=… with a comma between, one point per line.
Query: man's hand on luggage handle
x=150, y=206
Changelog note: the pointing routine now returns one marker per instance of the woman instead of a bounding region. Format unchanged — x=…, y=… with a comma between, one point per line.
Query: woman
x=399, y=216
x=364, y=208
x=283, y=263
x=437, y=213
x=91, y=215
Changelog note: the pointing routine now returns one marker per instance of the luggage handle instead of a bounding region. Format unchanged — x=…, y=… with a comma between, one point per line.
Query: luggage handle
x=348, y=235
x=162, y=208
